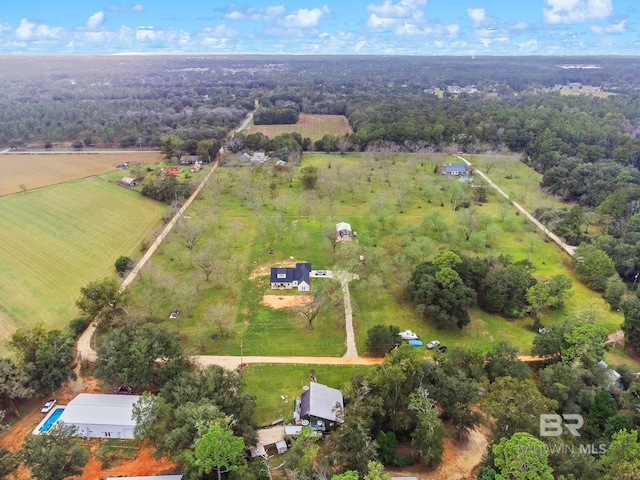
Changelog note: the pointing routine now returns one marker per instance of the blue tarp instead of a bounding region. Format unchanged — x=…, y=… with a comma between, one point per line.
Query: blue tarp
x=415, y=343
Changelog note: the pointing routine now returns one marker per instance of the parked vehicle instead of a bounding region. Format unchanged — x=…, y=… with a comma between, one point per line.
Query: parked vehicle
x=408, y=335
x=442, y=349
x=46, y=408
x=433, y=344
x=174, y=313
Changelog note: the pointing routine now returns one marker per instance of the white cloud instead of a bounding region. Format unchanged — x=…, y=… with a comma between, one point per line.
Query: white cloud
x=519, y=26
x=265, y=14
x=305, y=18
x=144, y=33
x=29, y=31
x=359, y=46
x=95, y=20
x=219, y=31
x=576, y=11
x=529, y=46
x=402, y=9
x=478, y=16
x=380, y=23
x=619, y=27
x=126, y=8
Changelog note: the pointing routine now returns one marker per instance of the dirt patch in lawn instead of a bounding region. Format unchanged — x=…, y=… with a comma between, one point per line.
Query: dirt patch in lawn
x=285, y=301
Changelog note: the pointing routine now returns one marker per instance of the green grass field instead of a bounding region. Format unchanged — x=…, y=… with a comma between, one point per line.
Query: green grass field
x=269, y=383
x=403, y=213
x=59, y=238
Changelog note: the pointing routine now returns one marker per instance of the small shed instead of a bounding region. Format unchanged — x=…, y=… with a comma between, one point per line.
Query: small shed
x=128, y=182
x=344, y=232
x=281, y=446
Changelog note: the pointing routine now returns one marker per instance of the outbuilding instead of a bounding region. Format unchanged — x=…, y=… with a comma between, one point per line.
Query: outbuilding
x=101, y=416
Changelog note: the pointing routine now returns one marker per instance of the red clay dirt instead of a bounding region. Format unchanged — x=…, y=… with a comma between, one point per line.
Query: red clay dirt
x=144, y=464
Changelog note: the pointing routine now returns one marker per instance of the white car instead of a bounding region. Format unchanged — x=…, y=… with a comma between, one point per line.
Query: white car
x=408, y=335
x=433, y=344
x=46, y=408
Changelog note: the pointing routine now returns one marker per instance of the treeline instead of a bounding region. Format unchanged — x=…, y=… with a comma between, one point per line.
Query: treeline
x=446, y=286
x=276, y=116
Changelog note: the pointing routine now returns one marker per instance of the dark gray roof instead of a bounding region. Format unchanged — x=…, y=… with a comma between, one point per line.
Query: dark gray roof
x=455, y=167
x=301, y=273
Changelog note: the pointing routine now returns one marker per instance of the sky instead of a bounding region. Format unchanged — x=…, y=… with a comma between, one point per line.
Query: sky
x=346, y=27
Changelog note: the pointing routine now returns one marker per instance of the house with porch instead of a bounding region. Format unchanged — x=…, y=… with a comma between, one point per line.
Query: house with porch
x=457, y=169
x=287, y=278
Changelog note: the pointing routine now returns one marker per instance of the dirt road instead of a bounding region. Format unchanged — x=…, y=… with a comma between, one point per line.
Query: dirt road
x=570, y=249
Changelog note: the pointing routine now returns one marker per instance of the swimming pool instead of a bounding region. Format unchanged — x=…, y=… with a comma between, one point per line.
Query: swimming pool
x=51, y=419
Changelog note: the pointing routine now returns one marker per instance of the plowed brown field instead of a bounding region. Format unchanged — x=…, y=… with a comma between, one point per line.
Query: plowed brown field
x=28, y=172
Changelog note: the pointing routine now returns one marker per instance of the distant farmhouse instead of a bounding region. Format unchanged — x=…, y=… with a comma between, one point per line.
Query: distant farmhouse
x=343, y=232
x=257, y=157
x=457, y=169
x=285, y=278
x=128, y=182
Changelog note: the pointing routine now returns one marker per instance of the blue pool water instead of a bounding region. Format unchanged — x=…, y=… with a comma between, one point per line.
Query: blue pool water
x=52, y=419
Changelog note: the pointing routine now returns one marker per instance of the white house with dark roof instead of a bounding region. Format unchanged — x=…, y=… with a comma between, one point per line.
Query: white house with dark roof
x=286, y=278
x=458, y=169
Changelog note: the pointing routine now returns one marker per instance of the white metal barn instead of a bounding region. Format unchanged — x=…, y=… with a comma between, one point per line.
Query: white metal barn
x=98, y=415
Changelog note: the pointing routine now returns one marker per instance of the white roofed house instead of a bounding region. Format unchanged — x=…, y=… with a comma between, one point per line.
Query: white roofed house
x=98, y=415
x=343, y=232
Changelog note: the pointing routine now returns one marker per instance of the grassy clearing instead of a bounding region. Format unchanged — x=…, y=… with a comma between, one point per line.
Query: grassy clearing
x=404, y=214
x=312, y=126
x=58, y=239
x=269, y=382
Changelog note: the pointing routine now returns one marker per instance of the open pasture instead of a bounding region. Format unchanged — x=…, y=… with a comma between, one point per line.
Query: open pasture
x=312, y=126
x=24, y=172
x=57, y=239
x=404, y=214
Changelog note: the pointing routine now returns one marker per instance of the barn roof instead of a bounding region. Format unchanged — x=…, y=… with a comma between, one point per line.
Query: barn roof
x=320, y=401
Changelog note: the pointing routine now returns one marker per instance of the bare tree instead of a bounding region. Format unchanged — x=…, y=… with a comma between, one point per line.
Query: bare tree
x=312, y=305
x=206, y=261
x=331, y=235
x=188, y=233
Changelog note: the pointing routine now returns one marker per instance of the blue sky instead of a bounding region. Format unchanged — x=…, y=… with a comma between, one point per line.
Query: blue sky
x=390, y=27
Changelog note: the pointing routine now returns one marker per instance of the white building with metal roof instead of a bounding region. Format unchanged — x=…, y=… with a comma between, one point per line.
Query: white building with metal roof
x=101, y=416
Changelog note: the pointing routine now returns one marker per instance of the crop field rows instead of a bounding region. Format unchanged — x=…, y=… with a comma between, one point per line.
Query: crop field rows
x=312, y=126
x=27, y=172
x=58, y=239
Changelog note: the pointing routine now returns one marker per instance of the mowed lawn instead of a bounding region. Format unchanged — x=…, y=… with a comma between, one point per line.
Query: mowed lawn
x=312, y=126
x=57, y=239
